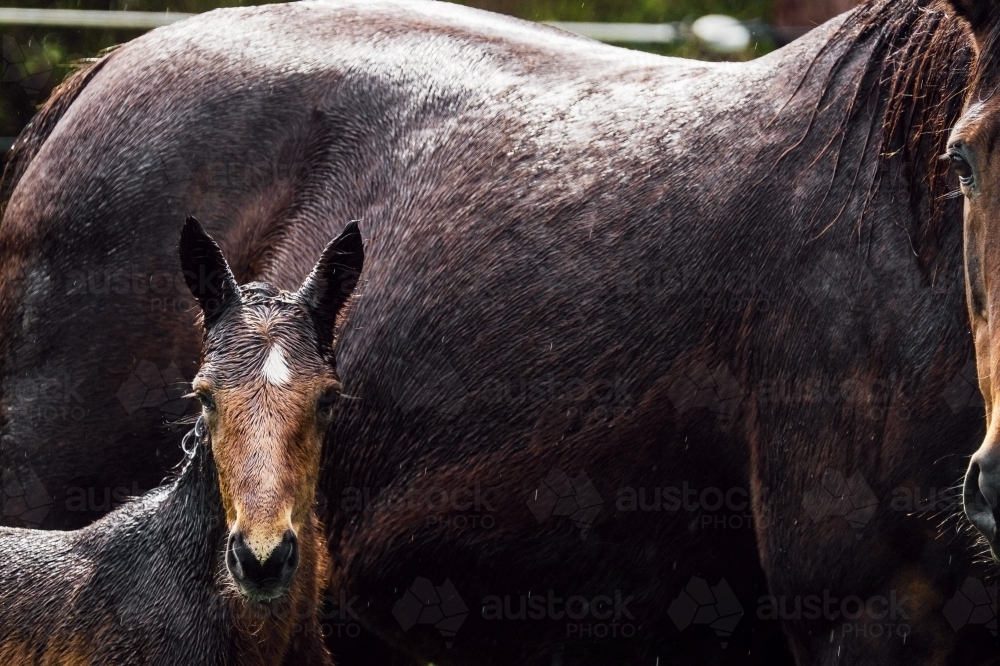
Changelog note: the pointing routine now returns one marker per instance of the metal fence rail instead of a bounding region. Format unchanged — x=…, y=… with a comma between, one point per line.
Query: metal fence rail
x=619, y=33
x=88, y=18
x=623, y=33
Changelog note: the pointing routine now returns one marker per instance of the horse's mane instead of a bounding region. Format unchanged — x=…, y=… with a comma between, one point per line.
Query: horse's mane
x=33, y=136
x=918, y=66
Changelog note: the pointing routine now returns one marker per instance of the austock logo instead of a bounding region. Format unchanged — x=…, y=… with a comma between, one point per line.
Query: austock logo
x=963, y=391
x=604, y=399
x=100, y=500
x=877, y=399
x=600, y=616
x=148, y=387
x=706, y=288
x=718, y=509
x=697, y=385
x=50, y=399
x=171, y=177
x=834, y=495
x=25, y=501
x=852, y=281
x=877, y=616
x=836, y=279
x=699, y=603
x=338, y=617
x=973, y=603
x=26, y=65
x=460, y=507
x=426, y=603
x=428, y=382
x=559, y=495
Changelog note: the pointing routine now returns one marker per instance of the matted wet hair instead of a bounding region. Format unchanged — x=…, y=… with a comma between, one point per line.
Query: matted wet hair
x=918, y=64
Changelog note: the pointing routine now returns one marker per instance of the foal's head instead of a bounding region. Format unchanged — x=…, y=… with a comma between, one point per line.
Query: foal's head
x=974, y=152
x=267, y=385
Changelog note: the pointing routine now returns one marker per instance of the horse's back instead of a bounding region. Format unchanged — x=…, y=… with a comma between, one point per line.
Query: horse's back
x=433, y=123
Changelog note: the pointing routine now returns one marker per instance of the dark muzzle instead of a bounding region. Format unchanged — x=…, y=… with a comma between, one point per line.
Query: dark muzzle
x=982, y=484
x=263, y=581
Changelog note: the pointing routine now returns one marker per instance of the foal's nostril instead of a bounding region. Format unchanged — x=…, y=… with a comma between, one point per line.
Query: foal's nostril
x=980, y=498
x=238, y=556
x=275, y=573
x=284, y=559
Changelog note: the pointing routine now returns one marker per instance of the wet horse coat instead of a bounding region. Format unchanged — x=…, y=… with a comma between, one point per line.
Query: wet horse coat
x=592, y=273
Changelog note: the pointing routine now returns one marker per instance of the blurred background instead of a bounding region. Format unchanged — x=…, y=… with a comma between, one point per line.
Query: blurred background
x=40, y=48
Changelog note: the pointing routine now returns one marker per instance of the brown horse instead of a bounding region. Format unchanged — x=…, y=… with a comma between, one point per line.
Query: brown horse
x=629, y=326
x=145, y=584
x=973, y=155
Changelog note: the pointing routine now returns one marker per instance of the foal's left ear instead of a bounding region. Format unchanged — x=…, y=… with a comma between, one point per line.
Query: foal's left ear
x=333, y=279
x=206, y=272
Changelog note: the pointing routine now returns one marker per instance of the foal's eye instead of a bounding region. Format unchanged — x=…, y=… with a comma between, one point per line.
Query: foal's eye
x=961, y=167
x=206, y=401
x=324, y=406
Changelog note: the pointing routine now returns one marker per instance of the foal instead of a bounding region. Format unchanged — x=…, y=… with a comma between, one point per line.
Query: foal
x=226, y=564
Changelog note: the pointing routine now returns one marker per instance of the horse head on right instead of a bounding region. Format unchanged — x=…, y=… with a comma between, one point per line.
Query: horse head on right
x=267, y=386
x=974, y=154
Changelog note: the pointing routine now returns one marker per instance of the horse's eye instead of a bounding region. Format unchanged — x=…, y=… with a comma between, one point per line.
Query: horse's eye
x=324, y=406
x=206, y=401
x=961, y=168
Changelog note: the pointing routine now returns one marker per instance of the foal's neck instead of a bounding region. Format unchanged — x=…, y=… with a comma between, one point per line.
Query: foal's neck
x=260, y=633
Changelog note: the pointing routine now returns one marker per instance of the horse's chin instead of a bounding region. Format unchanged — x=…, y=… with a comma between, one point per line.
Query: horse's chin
x=261, y=594
x=993, y=543
x=995, y=551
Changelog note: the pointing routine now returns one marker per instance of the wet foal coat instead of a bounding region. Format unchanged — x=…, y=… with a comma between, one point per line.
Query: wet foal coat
x=148, y=585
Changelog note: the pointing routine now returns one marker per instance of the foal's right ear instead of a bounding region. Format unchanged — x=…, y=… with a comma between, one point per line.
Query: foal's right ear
x=333, y=279
x=206, y=272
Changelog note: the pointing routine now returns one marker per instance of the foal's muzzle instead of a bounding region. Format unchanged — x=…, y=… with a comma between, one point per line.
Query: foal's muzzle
x=980, y=495
x=263, y=581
